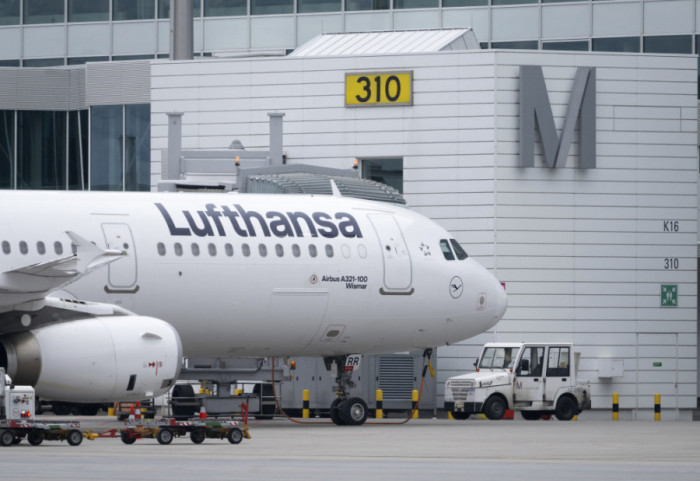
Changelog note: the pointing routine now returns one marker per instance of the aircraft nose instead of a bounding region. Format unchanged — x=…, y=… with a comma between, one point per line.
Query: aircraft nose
x=501, y=301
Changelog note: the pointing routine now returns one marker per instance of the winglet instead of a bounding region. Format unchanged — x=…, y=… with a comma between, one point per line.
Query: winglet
x=90, y=256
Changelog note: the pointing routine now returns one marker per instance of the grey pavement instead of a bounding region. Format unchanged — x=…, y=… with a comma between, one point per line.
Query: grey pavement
x=422, y=449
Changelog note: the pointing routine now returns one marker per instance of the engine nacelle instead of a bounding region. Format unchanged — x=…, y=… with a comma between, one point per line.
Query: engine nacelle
x=96, y=360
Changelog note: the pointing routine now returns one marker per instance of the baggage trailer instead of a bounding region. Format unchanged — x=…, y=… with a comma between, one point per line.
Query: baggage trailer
x=13, y=432
x=166, y=429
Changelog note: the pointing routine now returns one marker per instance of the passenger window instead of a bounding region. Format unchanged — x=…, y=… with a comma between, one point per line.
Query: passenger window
x=446, y=251
x=296, y=251
x=57, y=248
x=245, y=248
x=329, y=250
x=212, y=249
x=345, y=249
x=229, y=250
x=195, y=249
x=178, y=249
x=262, y=249
x=279, y=250
x=312, y=250
x=459, y=251
x=6, y=247
x=23, y=247
x=362, y=251
x=161, y=249
x=41, y=248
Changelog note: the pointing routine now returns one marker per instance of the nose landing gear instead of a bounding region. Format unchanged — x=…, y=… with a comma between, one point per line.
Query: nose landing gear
x=346, y=410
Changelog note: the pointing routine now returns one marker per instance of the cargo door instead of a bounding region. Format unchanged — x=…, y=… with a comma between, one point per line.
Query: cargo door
x=122, y=272
x=397, y=261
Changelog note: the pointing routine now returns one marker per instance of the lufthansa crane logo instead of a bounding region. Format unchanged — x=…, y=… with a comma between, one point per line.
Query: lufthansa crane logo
x=456, y=287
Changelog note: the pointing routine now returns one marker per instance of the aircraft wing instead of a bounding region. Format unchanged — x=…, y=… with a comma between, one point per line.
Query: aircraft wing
x=33, y=282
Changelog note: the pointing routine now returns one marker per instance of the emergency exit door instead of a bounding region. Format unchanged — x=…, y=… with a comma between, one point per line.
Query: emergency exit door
x=397, y=261
x=122, y=272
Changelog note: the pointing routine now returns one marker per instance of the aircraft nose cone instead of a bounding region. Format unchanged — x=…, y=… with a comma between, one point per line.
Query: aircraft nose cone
x=501, y=302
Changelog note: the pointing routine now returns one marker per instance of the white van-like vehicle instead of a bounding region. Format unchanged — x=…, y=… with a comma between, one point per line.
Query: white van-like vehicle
x=533, y=378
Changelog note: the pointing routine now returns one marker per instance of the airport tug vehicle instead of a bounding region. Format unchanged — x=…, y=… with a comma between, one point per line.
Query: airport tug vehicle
x=17, y=408
x=536, y=379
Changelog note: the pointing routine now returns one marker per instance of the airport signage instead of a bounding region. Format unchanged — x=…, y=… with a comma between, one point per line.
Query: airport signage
x=669, y=295
x=378, y=89
x=536, y=113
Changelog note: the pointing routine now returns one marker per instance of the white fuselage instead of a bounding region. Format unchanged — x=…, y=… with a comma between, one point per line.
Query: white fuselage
x=236, y=274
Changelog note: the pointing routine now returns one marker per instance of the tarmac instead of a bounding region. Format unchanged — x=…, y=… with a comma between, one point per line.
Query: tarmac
x=419, y=450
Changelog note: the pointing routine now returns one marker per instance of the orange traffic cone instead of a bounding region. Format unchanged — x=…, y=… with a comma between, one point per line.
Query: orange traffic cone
x=203, y=413
x=138, y=410
x=131, y=414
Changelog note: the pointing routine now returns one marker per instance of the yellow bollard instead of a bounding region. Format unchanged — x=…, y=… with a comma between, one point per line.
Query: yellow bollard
x=616, y=407
x=379, y=412
x=110, y=411
x=414, y=404
x=305, y=412
x=657, y=407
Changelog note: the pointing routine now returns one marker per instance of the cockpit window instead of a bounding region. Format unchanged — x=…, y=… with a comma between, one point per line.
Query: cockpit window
x=459, y=252
x=446, y=251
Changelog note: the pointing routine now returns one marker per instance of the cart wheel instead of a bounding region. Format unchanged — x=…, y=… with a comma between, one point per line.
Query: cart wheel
x=35, y=438
x=165, y=436
x=75, y=437
x=197, y=437
x=235, y=436
x=6, y=437
x=126, y=438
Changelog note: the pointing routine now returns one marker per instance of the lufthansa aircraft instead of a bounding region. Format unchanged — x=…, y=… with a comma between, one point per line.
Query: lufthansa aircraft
x=101, y=294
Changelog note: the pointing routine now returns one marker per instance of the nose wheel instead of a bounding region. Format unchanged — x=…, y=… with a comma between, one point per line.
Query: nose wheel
x=345, y=410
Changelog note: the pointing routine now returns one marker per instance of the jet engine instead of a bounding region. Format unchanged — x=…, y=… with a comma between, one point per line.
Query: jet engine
x=95, y=360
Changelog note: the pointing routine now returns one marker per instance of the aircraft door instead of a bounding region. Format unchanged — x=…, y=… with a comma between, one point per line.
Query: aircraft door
x=397, y=261
x=122, y=272
x=529, y=384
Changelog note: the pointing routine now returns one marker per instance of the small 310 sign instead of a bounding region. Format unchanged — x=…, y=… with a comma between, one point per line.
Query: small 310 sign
x=378, y=89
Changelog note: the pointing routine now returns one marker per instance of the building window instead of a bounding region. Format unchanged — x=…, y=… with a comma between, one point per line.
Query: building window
x=7, y=149
x=355, y=5
x=271, y=7
x=386, y=171
x=668, y=44
x=43, y=62
x=225, y=8
x=511, y=2
x=88, y=10
x=41, y=150
x=44, y=11
x=84, y=60
x=78, y=150
x=164, y=8
x=618, y=44
x=522, y=45
x=577, y=45
x=313, y=6
x=118, y=161
x=9, y=12
x=399, y=4
x=133, y=9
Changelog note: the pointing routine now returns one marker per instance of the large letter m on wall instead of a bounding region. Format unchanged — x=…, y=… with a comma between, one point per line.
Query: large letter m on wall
x=535, y=110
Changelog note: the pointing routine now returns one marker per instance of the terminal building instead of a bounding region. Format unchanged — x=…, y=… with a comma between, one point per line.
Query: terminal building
x=558, y=142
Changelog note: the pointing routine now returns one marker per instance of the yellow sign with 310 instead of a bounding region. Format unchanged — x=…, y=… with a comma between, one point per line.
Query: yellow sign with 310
x=378, y=89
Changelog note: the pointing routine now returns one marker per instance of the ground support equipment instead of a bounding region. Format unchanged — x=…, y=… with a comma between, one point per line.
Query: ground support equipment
x=164, y=430
x=13, y=432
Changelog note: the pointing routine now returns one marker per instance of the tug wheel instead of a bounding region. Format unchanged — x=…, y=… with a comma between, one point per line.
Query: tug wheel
x=75, y=437
x=35, y=438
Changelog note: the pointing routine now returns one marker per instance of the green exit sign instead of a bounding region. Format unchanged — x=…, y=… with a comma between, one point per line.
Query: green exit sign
x=669, y=295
